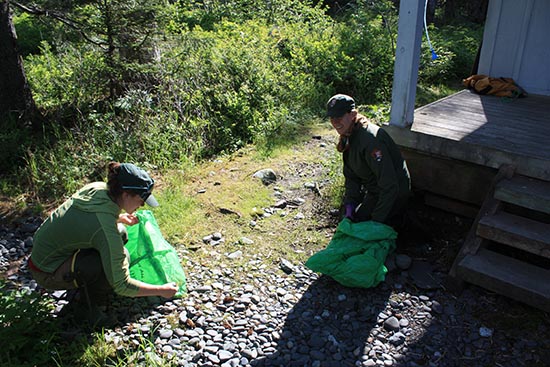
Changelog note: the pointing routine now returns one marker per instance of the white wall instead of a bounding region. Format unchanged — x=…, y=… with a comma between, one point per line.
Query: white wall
x=516, y=43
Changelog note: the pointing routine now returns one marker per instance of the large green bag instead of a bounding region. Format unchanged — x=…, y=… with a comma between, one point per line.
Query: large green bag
x=356, y=254
x=152, y=259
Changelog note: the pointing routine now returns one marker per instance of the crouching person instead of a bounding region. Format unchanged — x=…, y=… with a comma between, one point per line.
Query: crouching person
x=377, y=180
x=81, y=244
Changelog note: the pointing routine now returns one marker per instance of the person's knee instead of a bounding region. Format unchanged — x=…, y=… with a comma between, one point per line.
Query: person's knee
x=88, y=269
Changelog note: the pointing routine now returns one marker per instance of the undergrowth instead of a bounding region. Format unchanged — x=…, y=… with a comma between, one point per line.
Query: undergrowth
x=208, y=79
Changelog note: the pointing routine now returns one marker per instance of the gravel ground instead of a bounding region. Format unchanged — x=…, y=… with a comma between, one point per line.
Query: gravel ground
x=285, y=315
x=282, y=314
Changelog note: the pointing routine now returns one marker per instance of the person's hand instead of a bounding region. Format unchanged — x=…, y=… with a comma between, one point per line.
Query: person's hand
x=168, y=290
x=349, y=211
x=129, y=219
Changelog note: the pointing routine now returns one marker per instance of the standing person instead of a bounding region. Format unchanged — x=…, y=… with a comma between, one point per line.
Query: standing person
x=81, y=244
x=377, y=181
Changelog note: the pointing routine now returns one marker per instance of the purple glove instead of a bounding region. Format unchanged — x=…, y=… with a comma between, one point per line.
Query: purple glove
x=350, y=210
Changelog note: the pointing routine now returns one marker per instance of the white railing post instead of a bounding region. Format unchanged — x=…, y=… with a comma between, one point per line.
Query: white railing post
x=407, y=59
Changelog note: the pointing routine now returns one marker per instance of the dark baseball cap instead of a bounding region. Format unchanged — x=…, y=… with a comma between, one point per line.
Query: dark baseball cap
x=134, y=178
x=339, y=104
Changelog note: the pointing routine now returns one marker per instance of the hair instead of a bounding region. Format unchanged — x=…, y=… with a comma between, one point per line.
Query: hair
x=343, y=142
x=115, y=188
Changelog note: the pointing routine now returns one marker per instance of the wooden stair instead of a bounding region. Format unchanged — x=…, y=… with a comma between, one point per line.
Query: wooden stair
x=508, y=247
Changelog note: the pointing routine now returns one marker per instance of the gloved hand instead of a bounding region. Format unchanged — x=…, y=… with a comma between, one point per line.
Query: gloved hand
x=349, y=210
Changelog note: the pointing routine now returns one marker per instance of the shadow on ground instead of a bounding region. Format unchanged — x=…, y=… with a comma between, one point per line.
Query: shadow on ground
x=334, y=326
x=329, y=326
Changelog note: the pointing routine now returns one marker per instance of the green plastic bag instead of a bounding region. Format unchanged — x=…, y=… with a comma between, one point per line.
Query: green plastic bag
x=356, y=254
x=152, y=259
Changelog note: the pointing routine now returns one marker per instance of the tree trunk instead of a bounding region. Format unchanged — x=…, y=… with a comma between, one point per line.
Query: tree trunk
x=430, y=11
x=450, y=11
x=477, y=10
x=15, y=95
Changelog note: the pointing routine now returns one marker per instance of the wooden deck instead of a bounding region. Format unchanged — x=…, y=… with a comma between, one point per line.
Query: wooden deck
x=484, y=130
x=470, y=155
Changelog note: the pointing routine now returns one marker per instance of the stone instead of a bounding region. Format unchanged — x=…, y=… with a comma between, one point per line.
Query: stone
x=267, y=176
x=402, y=261
x=391, y=324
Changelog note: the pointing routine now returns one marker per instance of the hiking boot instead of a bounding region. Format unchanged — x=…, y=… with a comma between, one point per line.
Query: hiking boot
x=94, y=316
x=73, y=295
x=68, y=309
x=98, y=317
x=91, y=315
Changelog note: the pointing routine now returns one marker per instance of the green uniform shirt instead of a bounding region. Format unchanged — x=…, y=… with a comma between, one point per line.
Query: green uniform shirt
x=373, y=164
x=87, y=220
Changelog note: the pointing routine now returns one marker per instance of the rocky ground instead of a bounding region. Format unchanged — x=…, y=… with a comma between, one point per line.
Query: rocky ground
x=282, y=314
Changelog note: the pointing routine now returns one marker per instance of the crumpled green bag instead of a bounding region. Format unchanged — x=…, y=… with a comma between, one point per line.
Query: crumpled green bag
x=356, y=254
x=152, y=259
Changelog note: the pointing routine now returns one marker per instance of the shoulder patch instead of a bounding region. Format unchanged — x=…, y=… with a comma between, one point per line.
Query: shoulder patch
x=376, y=154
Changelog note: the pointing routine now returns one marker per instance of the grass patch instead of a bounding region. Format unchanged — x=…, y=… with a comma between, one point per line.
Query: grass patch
x=222, y=195
x=99, y=353
x=430, y=93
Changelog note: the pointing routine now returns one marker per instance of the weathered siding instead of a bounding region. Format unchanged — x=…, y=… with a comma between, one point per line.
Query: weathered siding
x=516, y=43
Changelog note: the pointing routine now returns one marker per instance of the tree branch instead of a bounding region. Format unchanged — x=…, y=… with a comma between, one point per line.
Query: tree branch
x=59, y=16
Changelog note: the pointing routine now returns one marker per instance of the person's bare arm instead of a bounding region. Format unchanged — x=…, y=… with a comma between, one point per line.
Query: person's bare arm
x=167, y=290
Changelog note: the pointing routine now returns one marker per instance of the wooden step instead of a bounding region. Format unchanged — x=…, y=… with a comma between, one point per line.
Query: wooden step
x=519, y=232
x=525, y=192
x=507, y=276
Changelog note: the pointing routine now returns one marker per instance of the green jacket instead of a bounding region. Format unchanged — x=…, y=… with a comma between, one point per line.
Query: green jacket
x=373, y=164
x=86, y=220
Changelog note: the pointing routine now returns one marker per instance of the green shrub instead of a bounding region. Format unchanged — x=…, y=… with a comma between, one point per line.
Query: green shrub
x=221, y=75
x=456, y=47
x=26, y=329
x=67, y=82
x=30, y=33
x=368, y=39
x=14, y=141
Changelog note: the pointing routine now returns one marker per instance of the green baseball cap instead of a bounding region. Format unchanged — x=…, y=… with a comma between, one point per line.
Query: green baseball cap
x=339, y=104
x=134, y=178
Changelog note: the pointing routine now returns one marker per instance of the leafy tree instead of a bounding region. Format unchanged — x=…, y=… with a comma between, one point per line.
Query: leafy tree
x=124, y=31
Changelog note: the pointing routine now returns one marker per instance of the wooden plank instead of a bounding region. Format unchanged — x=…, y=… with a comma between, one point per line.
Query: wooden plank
x=449, y=178
x=456, y=118
x=489, y=108
x=472, y=243
x=519, y=232
x=513, y=142
x=507, y=276
x=532, y=166
x=517, y=127
x=505, y=135
x=472, y=123
x=526, y=192
x=486, y=110
x=533, y=104
x=503, y=130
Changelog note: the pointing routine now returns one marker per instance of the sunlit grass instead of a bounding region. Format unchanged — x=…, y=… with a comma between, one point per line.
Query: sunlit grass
x=99, y=353
x=431, y=93
x=223, y=196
